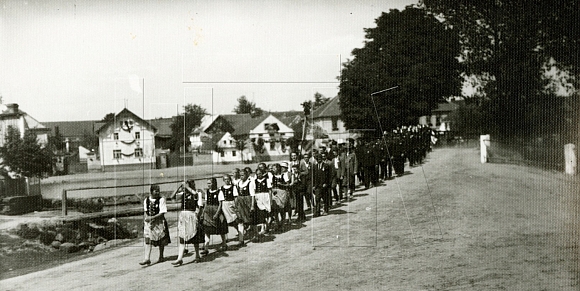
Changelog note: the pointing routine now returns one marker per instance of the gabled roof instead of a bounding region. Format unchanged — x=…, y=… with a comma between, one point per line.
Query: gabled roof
x=329, y=109
x=248, y=124
x=127, y=111
x=72, y=128
x=163, y=126
x=11, y=111
x=215, y=138
x=33, y=124
x=241, y=124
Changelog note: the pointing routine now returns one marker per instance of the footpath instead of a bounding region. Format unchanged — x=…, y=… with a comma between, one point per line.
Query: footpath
x=451, y=224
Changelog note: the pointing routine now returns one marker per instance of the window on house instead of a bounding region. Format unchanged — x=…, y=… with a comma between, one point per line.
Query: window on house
x=137, y=135
x=138, y=152
x=222, y=154
x=233, y=153
x=116, y=136
x=272, y=145
x=260, y=135
x=225, y=142
x=282, y=134
x=116, y=154
x=334, y=123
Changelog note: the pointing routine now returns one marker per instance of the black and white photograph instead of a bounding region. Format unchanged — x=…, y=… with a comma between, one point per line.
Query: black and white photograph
x=289, y=145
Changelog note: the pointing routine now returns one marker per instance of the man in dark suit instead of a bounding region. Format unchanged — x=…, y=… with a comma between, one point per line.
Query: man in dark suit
x=320, y=186
x=305, y=168
x=349, y=170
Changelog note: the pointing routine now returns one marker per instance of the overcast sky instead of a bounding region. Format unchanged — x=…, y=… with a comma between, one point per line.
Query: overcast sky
x=79, y=60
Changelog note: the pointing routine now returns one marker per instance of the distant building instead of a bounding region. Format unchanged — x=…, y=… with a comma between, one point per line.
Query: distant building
x=225, y=149
x=12, y=116
x=164, y=132
x=128, y=143
x=327, y=118
x=267, y=133
x=439, y=118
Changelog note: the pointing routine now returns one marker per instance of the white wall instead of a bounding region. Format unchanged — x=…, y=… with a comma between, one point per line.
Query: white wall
x=127, y=143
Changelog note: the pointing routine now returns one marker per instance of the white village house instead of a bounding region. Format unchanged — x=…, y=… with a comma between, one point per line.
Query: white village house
x=327, y=118
x=127, y=143
x=266, y=133
x=10, y=115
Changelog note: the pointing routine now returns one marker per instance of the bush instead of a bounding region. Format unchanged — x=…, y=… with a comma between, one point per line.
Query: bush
x=26, y=232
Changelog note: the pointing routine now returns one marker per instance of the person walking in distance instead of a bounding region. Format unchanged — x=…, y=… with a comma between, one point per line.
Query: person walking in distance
x=189, y=229
x=320, y=183
x=214, y=221
x=229, y=193
x=155, y=229
x=350, y=169
x=261, y=204
x=305, y=177
x=246, y=192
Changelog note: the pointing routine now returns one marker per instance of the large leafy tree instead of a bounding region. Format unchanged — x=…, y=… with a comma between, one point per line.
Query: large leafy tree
x=245, y=106
x=24, y=156
x=509, y=44
x=410, y=49
x=183, y=124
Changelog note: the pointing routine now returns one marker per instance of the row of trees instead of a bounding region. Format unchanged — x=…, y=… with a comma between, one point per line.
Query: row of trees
x=520, y=53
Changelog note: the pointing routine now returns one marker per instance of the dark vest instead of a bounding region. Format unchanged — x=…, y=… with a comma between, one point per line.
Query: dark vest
x=189, y=201
x=212, y=197
x=262, y=186
x=152, y=208
x=244, y=191
x=228, y=193
x=276, y=181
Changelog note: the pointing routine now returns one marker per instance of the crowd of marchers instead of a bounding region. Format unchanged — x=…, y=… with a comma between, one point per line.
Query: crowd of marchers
x=272, y=197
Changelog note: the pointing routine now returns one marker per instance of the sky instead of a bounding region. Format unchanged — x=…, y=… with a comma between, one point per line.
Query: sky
x=79, y=60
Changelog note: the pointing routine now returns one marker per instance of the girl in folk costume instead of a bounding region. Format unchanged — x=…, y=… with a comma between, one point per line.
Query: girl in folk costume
x=280, y=196
x=214, y=221
x=229, y=193
x=261, y=202
x=188, y=227
x=236, y=175
x=251, y=174
x=155, y=230
x=246, y=192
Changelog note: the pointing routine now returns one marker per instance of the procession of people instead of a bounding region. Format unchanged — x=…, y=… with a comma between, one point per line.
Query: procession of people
x=272, y=197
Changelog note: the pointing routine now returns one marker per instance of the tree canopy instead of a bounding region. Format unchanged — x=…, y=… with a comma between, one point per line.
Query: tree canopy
x=183, y=125
x=510, y=45
x=24, y=156
x=410, y=49
x=247, y=107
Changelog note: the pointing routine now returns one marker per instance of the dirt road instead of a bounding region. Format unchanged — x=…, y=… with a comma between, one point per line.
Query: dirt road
x=453, y=224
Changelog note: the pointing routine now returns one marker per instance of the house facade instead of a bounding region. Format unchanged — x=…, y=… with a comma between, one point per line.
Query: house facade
x=127, y=143
x=264, y=135
x=327, y=119
x=439, y=118
x=225, y=150
x=10, y=115
x=274, y=134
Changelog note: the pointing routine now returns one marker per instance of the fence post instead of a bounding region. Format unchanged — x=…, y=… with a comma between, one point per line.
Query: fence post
x=484, y=143
x=570, y=159
x=63, y=202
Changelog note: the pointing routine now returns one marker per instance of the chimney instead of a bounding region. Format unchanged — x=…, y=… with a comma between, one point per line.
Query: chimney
x=11, y=108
